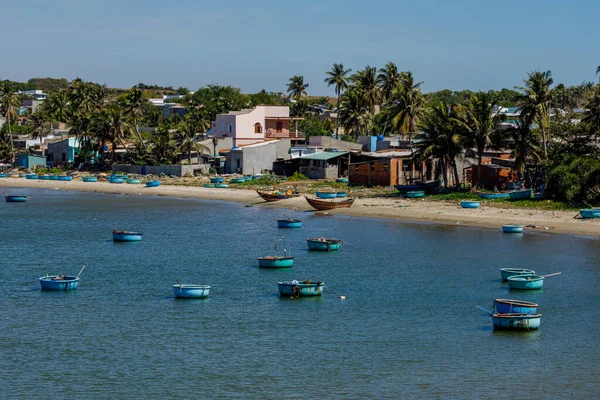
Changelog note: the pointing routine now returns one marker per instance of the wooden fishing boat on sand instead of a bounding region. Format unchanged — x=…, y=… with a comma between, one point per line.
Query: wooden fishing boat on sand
x=330, y=204
x=276, y=195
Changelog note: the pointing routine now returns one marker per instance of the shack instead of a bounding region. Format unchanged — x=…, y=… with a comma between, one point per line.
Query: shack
x=323, y=165
x=30, y=161
x=387, y=168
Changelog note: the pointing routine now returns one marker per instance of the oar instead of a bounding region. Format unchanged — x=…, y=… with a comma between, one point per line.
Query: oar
x=84, y=265
x=180, y=285
x=487, y=311
x=554, y=274
x=289, y=219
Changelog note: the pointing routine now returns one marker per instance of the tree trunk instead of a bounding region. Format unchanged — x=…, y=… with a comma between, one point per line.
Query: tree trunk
x=190, y=155
x=12, y=147
x=444, y=171
x=456, y=177
x=337, y=119
x=137, y=131
x=479, y=162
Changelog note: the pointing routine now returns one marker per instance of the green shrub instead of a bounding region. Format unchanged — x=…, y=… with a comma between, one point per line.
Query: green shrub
x=297, y=177
x=55, y=171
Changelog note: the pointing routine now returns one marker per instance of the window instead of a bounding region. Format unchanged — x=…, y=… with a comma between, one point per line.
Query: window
x=373, y=167
x=278, y=126
x=257, y=128
x=386, y=167
x=222, y=126
x=229, y=128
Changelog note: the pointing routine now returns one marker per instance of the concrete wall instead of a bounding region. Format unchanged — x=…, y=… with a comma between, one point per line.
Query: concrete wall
x=61, y=152
x=330, y=143
x=251, y=159
x=175, y=170
x=242, y=123
x=319, y=169
x=282, y=147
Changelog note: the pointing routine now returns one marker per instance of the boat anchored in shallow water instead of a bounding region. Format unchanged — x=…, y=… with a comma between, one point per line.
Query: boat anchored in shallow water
x=508, y=272
x=60, y=282
x=512, y=228
x=295, y=288
x=276, y=261
x=528, y=282
x=183, y=291
x=324, y=244
x=126, y=236
x=288, y=222
x=516, y=321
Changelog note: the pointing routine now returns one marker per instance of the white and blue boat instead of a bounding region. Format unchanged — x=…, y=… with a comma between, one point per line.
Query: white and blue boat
x=516, y=321
x=116, y=180
x=295, y=288
x=133, y=181
x=90, y=179
x=512, y=228
x=323, y=244
x=154, y=183
x=59, y=282
x=289, y=223
x=326, y=195
x=506, y=306
x=508, y=272
x=590, y=213
x=126, y=236
x=15, y=199
x=65, y=178
x=183, y=291
x=470, y=204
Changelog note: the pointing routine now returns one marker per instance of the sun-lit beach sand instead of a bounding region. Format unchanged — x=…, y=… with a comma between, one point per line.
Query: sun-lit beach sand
x=422, y=210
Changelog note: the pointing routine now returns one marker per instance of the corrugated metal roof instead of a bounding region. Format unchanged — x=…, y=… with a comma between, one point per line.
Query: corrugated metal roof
x=324, y=155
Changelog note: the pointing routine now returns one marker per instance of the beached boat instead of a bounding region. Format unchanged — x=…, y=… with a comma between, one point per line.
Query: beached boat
x=221, y=185
x=415, y=194
x=65, y=178
x=126, y=236
x=277, y=195
x=237, y=180
x=59, y=282
x=53, y=177
x=324, y=244
x=31, y=176
x=154, y=183
x=183, y=291
x=427, y=186
x=341, y=194
x=521, y=194
x=341, y=180
x=506, y=306
x=248, y=178
x=492, y=196
x=217, y=180
x=590, y=213
x=256, y=176
x=508, y=272
x=516, y=321
x=322, y=205
x=44, y=177
x=289, y=223
x=90, y=179
x=295, y=288
x=2, y=175
x=539, y=196
x=470, y=204
x=116, y=180
x=15, y=199
x=133, y=181
x=526, y=282
x=326, y=195
x=512, y=228
x=208, y=185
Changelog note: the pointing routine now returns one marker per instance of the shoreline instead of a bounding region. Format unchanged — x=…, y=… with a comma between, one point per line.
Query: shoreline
x=417, y=210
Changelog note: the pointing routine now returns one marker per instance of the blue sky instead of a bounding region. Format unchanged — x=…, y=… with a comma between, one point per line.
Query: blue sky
x=460, y=44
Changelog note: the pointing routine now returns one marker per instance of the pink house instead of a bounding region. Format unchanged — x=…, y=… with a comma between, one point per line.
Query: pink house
x=255, y=125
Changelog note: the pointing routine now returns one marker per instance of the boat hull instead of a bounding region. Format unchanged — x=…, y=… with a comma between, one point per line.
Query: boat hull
x=43, y=177
x=300, y=289
x=287, y=223
x=217, y=180
x=508, y=272
x=65, y=178
x=415, y=194
x=324, y=244
x=470, y=204
x=116, y=180
x=516, y=321
x=326, y=195
x=90, y=179
x=221, y=185
x=127, y=236
x=323, y=205
x=521, y=195
x=276, y=196
x=191, y=291
x=590, y=213
x=66, y=283
x=238, y=180
x=492, y=196
x=208, y=185
x=152, y=183
x=31, y=176
x=506, y=306
x=275, y=262
x=15, y=199
x=133, y=181
x=341, y=194
x=512, y=228
x=526, y=282
x=341, y=180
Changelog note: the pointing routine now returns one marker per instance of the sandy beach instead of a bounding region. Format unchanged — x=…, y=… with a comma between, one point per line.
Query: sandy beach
x=421, y=210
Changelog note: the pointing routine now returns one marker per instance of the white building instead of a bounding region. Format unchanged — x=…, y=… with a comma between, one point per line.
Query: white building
x=34, y=94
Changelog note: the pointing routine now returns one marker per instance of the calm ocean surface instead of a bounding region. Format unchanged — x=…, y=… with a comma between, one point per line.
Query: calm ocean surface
x=407, y=329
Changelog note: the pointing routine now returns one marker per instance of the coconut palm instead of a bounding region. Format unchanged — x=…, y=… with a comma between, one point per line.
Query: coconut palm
x=598, y=70
x=9, y=104
x=186, y=140
x=111, y=125
x=536, y=100
x=365, y=81
x=134, y=105
x=40, y=126
x=354, y=112
x=592, y=114
x=524, y=143
x=407, y=105
x=56, y=106
x=338, y=78
x=388, y=80
x=297, y=88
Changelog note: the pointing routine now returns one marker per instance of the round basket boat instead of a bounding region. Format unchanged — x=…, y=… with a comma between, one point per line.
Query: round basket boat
x=470, y=204
x=190, y=291
x=133, y=181
x=152, y=183
x=59, y=282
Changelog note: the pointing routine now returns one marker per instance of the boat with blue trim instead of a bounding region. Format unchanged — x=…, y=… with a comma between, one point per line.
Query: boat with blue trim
x=295, y=288
x=324, y=244
x=126, y=236
x=183, y=291
x=516, y=321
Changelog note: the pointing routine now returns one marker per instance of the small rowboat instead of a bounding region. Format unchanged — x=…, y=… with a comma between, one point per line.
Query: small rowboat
x=512, y=228
x=15, y=199
x=521, y=194
x=59, y=282
x=209, y=185
x=2, y=175
x=31, y=176
x=341, y=194
x=491, y=196
x=415, y=194
x=237, y=180
x=516, y=321
x=217, y=180
x=65, y=178
x=342, y=180
x=277, y=195
x=126, y=236
x=44, y=177
x=154, y=183
x=221, y=185
x=323, y=244
x=133, y=181
x=289, y=223
x=322, y=205
x=116, y=180
x=248, y=178
x=90, y=179
x=22, y=175
x=326, y=195
x=470, y=204
x=53, y=177
x=528, y=282
x=590, y=213
x=508, y=272
x=275, y=262
x=300, y=289
x=505, y=306
x=257, y=176
x=182, y=291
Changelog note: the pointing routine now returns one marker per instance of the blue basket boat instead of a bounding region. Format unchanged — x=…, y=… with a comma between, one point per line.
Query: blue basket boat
x=415, y=194
x=15, y=199
x=326, y=195
x=590, y=213
x=65, y=178
x=182, y=291
x=209, y=185
x=289, y=223
x=341, y=194
x=221, y=185
x=323, y=244
x=53, y=177
x=59, y=282
x=116, y=180
x=237, y=180
x=516, y=321
x=342, y=180
x=506, y=306
x=90, y=179
x=31, y=176
x=492, y=196
x=133, y=181
x=126, y=236
x=521, y=194
x=512, y=228
x=300, y=289
x=248, y=178
x=470, y=204
x=2, y=175
x=275, y=262
x=217, y=180
x=508, y=272
x=152, y=183
x=526, y=282
x=44, y=177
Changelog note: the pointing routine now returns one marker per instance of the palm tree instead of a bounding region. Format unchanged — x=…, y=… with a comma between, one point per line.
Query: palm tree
x=536, y=100
x=9, y=103
x=354, y=112
x=388, y=80
x=297, y=88
x=134, y=104
x=524, y=143
x=481, y=126
x=338, y=77
x=598, y=70
x=592, y=114
x=186, y=140
x=111, y=125
x=57, y=106
x=408, y=105
x=39, y=124
x=365, y=81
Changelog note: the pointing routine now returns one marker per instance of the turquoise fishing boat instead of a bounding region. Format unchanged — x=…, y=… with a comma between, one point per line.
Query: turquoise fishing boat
x=53, y=177
x=90, y=179
x=31, y=176
x=508, y=272
x=295, y=288
x=44, y=177
x=183, y=291
x=276, y=261
x=2, y=175
x=521, y=194
x=528, y=282
x=289, y=223
x=415, y=194
x=221, y=185
x=65, y=178
x=470, y=204
x=116, y=180
x=133, y=181
x=590, y=213
x=492, y=196
x=257, y=176
x=248, y=178
x=512, y=228
x=15, y=199
x=217, y=180
x=209, y=185
x=506, y=306
x=237, y=180
x=341, y=194
x=154, y=183
x=516, y=321
x=126, y=236
x=323, y=244
x=326, y=195
x=342, y=180
x=59, y=282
